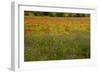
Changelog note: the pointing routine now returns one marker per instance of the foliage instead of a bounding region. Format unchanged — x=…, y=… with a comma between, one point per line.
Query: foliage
x=55, y=14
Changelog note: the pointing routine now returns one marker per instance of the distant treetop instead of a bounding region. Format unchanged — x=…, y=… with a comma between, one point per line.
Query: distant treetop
x=55, y=14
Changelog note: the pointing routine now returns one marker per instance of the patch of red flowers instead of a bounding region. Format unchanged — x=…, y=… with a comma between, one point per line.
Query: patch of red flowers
x=28, y=30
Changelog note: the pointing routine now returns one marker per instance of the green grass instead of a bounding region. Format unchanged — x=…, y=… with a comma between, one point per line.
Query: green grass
x=58, y=44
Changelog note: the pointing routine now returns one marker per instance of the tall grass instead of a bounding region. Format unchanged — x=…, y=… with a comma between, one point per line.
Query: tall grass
x=55, y=44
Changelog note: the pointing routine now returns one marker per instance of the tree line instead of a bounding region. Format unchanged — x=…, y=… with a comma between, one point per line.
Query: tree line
x=55, y=14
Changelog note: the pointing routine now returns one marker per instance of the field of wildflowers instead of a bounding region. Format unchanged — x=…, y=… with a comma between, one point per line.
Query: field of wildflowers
x=56, y=38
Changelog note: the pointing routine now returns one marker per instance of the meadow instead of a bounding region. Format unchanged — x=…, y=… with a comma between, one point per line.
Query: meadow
x=56, y=38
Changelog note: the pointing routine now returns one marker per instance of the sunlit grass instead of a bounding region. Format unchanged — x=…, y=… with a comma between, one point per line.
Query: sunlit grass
x=56, y=38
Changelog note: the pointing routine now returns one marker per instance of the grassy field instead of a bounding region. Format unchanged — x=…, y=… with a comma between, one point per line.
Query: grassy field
x=56, y=38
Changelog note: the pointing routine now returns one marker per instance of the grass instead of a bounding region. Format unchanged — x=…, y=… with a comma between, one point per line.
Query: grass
x=56, y=38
